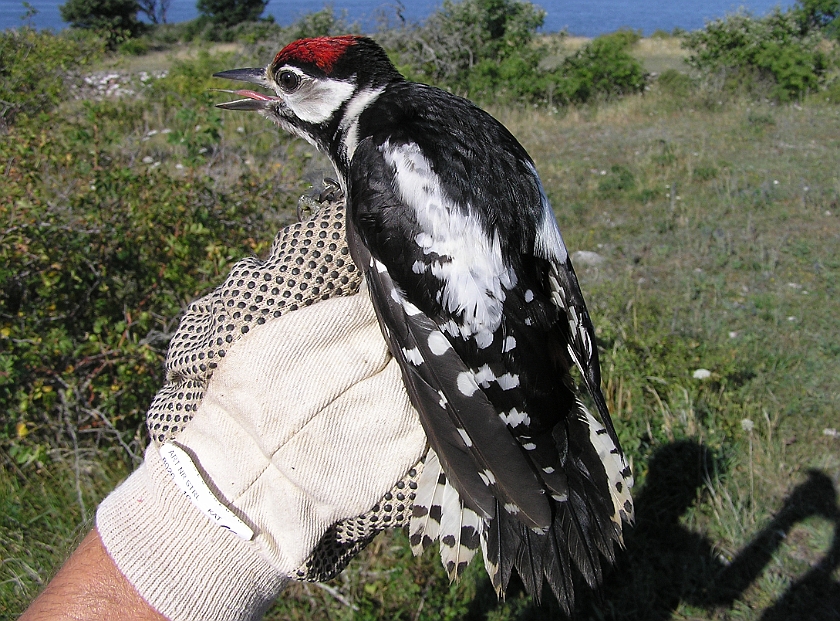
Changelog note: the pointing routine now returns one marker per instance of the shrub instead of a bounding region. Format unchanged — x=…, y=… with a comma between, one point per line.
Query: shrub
x=34, y=67
x=602, y=69
x=821, y=15
x=487, y=50
x=133, y=47
x=116, y=18
x=747, y=50
x=675, y=83
x=322, y=23
x=832, y=92
x=461, y=36
x=231, y=12
x=104, y=239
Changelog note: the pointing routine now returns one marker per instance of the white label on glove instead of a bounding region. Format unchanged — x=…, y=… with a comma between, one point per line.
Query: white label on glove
x=183, y=471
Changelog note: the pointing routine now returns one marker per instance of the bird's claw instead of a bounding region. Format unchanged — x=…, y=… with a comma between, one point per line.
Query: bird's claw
x=309, y=203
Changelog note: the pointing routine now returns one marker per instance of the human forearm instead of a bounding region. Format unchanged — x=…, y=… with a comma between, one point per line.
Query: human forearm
x=89, y=586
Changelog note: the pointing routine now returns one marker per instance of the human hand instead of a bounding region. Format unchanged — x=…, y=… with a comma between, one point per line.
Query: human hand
x=298, y=423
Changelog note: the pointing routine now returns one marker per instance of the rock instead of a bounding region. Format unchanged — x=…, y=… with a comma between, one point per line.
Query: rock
x=587, y=258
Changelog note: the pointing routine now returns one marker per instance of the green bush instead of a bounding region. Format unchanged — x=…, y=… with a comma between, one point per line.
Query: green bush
x=675, y=83
x=488, y=50
x=821, y=15
x=231, y=12
x=116, y=18
x=747, y=51
x=133, y=47
x=832, y=92
x=322, y=23
x=602, y=69
x=463, y=37
x=100, y=248
x=34, y=66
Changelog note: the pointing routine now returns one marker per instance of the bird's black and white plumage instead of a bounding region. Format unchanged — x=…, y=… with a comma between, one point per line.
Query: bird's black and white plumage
x=477, y=297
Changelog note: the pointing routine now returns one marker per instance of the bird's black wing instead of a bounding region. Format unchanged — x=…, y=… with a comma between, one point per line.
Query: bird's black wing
x=494, y=394
x=478, y=454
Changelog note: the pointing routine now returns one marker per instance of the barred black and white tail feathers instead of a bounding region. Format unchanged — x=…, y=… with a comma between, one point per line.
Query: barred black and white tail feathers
x=582, y=535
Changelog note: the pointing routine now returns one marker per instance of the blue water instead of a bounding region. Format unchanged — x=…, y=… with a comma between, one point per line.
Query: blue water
x=580, y=17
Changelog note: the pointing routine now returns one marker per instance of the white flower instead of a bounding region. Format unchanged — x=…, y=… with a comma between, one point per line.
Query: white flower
x=747, y=425
x=702, y=374
x=831, y=432
x=148, y=159
x=733, y=335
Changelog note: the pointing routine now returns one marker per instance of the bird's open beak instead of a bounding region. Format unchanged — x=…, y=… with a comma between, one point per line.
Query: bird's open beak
x=253, y=100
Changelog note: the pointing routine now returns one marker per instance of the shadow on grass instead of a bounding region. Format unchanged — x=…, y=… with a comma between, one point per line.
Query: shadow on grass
x=667, y=564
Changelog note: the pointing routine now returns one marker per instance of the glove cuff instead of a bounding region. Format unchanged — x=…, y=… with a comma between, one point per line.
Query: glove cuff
x=147, y=523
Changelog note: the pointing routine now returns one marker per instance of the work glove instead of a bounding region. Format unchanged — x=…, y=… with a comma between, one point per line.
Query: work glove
x=282, y=442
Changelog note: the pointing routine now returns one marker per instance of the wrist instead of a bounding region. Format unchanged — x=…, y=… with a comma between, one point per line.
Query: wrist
x=179, y=561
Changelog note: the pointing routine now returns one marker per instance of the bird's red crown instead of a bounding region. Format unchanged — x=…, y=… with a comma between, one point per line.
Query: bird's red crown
x=323, y=52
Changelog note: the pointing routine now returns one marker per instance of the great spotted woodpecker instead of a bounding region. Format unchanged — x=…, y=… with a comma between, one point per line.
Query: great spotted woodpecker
x=477, y=297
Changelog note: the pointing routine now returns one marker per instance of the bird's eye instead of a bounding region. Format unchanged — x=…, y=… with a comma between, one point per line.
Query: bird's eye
x=288, y=80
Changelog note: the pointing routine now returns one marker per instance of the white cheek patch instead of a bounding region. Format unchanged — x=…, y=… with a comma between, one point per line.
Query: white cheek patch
x=472, y=271
x=316, y=101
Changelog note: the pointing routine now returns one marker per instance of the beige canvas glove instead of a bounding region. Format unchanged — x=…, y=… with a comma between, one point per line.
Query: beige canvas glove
x=298, y=424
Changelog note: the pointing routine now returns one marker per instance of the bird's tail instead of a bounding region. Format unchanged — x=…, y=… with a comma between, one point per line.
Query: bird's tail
x=584, y=530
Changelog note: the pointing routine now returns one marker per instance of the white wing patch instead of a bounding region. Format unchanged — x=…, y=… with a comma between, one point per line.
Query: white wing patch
x=549, y=242
x=413, y=355
x=509, y=345
x=438, y=343
x=470, y=265
x=466, y=384
x=515, y=417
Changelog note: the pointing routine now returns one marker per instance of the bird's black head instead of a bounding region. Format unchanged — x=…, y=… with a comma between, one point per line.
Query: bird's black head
x=314, y=81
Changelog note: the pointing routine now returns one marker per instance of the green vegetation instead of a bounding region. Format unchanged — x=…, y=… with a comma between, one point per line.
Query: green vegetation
x=32, y=64
x=713, y=212
x=231, y=12
x=781, y=56
x=489, y=50
x=116, y=19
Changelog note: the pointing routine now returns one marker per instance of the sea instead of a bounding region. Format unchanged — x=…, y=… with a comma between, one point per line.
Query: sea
x=587, y=18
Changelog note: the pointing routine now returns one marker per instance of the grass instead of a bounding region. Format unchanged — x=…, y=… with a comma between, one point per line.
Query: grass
x=718, y=221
